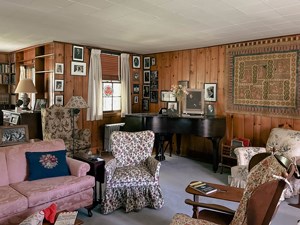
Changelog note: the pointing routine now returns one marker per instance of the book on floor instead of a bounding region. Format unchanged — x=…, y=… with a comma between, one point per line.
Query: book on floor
x=203, y=187
x=66, y=218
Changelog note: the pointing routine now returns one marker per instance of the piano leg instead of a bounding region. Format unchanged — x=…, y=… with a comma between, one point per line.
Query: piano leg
x=159, y=148
x=178, y=143
x=215, y=142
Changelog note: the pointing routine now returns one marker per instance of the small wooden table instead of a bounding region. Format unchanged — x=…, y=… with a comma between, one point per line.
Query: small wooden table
x=224, y=192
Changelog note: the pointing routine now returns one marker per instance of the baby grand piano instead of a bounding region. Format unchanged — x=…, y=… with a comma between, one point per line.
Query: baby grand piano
x=211, y=127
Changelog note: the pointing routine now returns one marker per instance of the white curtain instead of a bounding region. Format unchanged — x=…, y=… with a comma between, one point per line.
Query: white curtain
x=125, y=85
x=95, y=112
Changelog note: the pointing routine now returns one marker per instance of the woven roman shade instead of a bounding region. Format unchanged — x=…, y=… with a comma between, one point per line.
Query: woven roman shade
x=110, y=67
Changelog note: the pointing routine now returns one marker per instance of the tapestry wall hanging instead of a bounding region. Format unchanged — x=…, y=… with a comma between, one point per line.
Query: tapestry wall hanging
x=263, y=77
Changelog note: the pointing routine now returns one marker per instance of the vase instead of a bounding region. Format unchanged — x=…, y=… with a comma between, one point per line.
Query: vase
x=179, y=108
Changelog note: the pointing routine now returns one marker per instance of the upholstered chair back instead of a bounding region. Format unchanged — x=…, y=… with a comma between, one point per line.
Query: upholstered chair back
x=131, y=148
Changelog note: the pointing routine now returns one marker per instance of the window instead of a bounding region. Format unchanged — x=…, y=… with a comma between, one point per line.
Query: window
x=111, y=85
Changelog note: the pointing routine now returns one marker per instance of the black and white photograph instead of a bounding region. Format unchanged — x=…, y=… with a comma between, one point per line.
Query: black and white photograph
x=58, y=85
x=154, y=80
x=78, y=68
x=147, y=76
x=147, y=63
x=154, y=96
x=167, y=96
x=14, y=119
x=146, y=91
x=136, y=99
x=59, y=100
x=153, y=61
x=210, y=110
x=78, y=52
x=136, y=62
x=145, y=104
x=136, y=88
x=59, y=68
x=136, y=76
x=210, y=92
x=11, y=135
x=39, y=104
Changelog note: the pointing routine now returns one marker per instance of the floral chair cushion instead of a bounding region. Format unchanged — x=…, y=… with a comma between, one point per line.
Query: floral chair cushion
x=183, y=219
x=132, y=177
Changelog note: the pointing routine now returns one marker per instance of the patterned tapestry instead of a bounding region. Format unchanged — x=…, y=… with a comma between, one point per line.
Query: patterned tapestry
x=263, y=77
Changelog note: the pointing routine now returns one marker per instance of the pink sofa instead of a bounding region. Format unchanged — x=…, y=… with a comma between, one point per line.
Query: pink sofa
x=19, y=197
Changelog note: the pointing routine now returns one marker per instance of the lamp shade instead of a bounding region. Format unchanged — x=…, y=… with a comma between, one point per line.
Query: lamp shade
x=25, y=86
x=76, y=102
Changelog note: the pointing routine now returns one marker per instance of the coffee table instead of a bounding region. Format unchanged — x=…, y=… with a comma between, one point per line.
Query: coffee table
x=224, y=192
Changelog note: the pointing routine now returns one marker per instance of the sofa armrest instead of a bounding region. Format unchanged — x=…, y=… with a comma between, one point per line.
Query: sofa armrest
x=78, y=168
x=154, y=166
x=83, y=134
x=244, y=154
x=110, y=168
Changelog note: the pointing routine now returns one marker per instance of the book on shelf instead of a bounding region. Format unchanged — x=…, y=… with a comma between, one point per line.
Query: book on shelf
x=203, y=187
x=66, y=218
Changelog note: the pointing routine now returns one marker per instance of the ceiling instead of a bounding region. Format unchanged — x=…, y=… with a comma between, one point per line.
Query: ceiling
x=144, y=26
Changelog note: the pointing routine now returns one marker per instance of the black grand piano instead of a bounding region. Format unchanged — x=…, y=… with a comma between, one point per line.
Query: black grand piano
x=211, y=127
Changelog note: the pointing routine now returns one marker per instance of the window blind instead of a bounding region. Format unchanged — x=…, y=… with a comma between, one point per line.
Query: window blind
x=110, y=66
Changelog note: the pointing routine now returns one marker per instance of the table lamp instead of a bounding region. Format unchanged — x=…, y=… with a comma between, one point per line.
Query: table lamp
x=25, y=86
x=75, y=104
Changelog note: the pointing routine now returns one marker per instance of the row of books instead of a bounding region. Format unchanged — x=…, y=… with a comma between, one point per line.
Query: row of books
x=7, y=79
x=6, y=68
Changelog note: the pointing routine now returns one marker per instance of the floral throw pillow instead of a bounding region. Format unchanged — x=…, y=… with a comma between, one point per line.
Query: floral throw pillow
x=47, y=164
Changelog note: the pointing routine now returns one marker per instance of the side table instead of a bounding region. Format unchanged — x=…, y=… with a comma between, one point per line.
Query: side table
x=97, y=170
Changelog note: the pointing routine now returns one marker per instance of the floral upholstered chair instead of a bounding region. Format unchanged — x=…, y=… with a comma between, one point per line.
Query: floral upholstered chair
x=281, y=141
x=132, y=176
x=57, y=123
x=257, y=206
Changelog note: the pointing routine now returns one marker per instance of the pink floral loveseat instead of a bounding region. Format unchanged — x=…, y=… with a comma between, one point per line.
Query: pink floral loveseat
x=20, y=197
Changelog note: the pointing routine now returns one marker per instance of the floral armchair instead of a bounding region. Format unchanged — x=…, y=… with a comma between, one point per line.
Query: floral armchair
x=57, y=123
x=132, y=176
x=257, y=206
x=284, y=142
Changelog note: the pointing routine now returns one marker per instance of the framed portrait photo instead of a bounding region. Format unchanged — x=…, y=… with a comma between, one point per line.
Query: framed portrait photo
x=145, y=104
x=147, y=63
x=210, y=92
x=136, y=76
x=153, y=61
x=136, y=99
x=59, y=68
x=147, y=76
x=146, y=91
x=78, y=52
x=136, y=88
x=136, y=62
x=58, y=85
x=78, y=68
x=59, y=100
x=14, y=119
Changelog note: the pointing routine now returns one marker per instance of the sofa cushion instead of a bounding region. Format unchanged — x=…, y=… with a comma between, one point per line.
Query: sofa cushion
x=12, y=202
x=50, y=189
x=3, y=172
x=15, y=155
x=47, y=164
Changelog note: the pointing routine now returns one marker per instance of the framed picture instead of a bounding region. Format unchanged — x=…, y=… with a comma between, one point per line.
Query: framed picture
x=78, y=68
x=136, y=62
x=163, y=111
x=184, y=83
x=58, y=85
x=147, y=76
x=172, y=108
x=136, y=88
x=194, y=102
x=153, y=61
x=146, y=62
x=167, y=96
x=78, y=52
x=154, y=80
x=11, y=135
x=153, y=96
x=210, y=92
x=59, y=68
x=145, y=104
x=14, y=119
x=136, y=99
x=136, y=76
x=39, y=104
x=210, y=110
x=146, y=91
x=59, y=100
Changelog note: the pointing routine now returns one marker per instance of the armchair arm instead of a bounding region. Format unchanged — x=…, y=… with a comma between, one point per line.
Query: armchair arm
x=110, y=168
x=78, y=168
x=209, y=206
x=244, y=154
x=83, y=134
x=154, y=166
